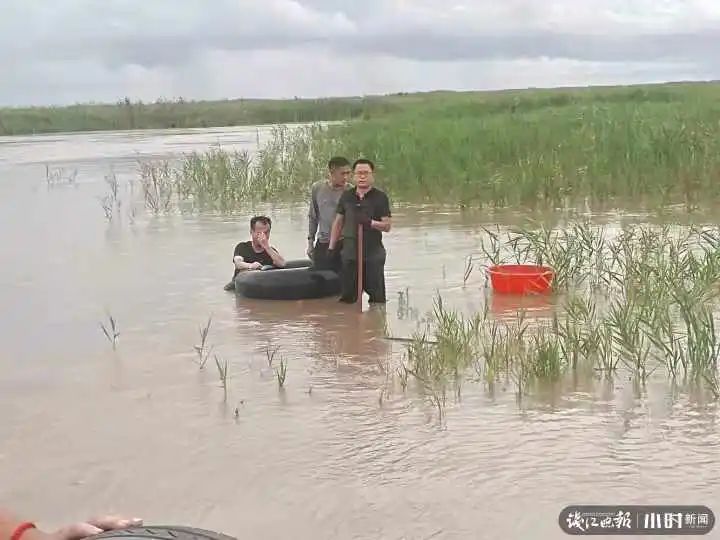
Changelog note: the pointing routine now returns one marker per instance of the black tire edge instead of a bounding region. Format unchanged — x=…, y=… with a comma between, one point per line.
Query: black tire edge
x=164, y=532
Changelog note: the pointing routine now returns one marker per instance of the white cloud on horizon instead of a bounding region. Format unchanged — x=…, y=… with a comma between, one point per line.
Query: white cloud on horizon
x=82, y=50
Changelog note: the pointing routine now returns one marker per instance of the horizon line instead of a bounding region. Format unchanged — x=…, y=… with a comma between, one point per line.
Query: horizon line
x=183, y=100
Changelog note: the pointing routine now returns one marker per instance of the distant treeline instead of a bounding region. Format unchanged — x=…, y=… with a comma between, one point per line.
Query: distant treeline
x=164, y=114
x=185, y=114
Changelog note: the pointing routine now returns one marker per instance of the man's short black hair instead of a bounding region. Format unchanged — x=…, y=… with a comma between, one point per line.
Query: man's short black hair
x=363, y=161
x=262, y=219
x=337, y=162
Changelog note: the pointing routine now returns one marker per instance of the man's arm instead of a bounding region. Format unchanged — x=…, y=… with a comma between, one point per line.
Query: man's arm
x=275, y=256
x=385, y=223
x=338, y=222
x=312, y=217
x=239, y=260
x=240, y=263
x=336, y=230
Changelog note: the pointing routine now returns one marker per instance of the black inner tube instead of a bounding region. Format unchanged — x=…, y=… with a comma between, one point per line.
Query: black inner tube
x=297, y=280
x=292, y=263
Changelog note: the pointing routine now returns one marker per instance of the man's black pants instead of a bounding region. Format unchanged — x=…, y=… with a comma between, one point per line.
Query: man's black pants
x=373, y=279
x=320, y=258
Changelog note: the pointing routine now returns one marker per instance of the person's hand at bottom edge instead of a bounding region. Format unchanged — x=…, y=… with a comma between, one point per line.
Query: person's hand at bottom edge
x=93, y=526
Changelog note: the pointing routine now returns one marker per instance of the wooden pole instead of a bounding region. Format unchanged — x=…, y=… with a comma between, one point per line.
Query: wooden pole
x=360, y=266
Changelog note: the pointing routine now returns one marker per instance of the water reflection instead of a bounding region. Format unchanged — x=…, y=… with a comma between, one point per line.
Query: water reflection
x=325, y=327
x=507, y=306
x=405, y=309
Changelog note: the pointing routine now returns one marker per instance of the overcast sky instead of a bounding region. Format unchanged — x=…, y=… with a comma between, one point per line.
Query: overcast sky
x=65, y=51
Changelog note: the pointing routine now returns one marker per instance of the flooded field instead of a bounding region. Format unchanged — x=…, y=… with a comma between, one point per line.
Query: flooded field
x=342, y=450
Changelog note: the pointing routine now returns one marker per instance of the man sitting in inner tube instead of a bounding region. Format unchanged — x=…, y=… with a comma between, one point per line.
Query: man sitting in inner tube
x=257, y=252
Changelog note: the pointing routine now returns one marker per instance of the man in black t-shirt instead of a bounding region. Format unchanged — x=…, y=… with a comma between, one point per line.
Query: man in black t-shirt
x=256, y=252
x=370, y=207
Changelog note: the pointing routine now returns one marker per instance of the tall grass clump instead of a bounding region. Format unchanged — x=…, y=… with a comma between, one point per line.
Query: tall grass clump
x=639, y=301
x=223, y=181
x=546, y=149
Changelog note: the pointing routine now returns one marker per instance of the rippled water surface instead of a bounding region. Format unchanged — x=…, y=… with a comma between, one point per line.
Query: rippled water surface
x=143, y=430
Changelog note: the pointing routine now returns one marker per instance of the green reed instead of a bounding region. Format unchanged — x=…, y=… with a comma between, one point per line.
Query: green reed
x=469, y=267
x=281, y=373
x=647, y=146
x=202, y=350
x=219, y=180
x=222, y=367
x=593, y=146
x=579, y=333
x=112, y=333
x=270, y=352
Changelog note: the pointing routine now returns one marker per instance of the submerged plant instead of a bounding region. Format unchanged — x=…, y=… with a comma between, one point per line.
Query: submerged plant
x=113, y=333
x=156, y=179
x=468, y=269
x=111, y=201
x=222, y=367
x=58, y=176
x=402, y=373
x=108, y=206
x=270, y=353
x=202, y=349
x=281, y=373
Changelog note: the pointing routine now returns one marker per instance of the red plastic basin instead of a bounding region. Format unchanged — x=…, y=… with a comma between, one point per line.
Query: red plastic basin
x=521, y=278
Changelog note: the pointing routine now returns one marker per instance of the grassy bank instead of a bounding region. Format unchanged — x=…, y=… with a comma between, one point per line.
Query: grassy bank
x=659, y=145
x=180, y=114
x=648, y=145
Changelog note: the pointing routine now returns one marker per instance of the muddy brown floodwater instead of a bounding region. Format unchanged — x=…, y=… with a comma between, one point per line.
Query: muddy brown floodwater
x=142, y=430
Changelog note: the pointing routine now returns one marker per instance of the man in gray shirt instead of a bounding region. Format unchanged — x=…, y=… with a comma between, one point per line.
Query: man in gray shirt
x=324, y=197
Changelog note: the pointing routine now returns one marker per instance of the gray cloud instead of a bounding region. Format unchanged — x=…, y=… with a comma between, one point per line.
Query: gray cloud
x=700, y=46
x=89, y=49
